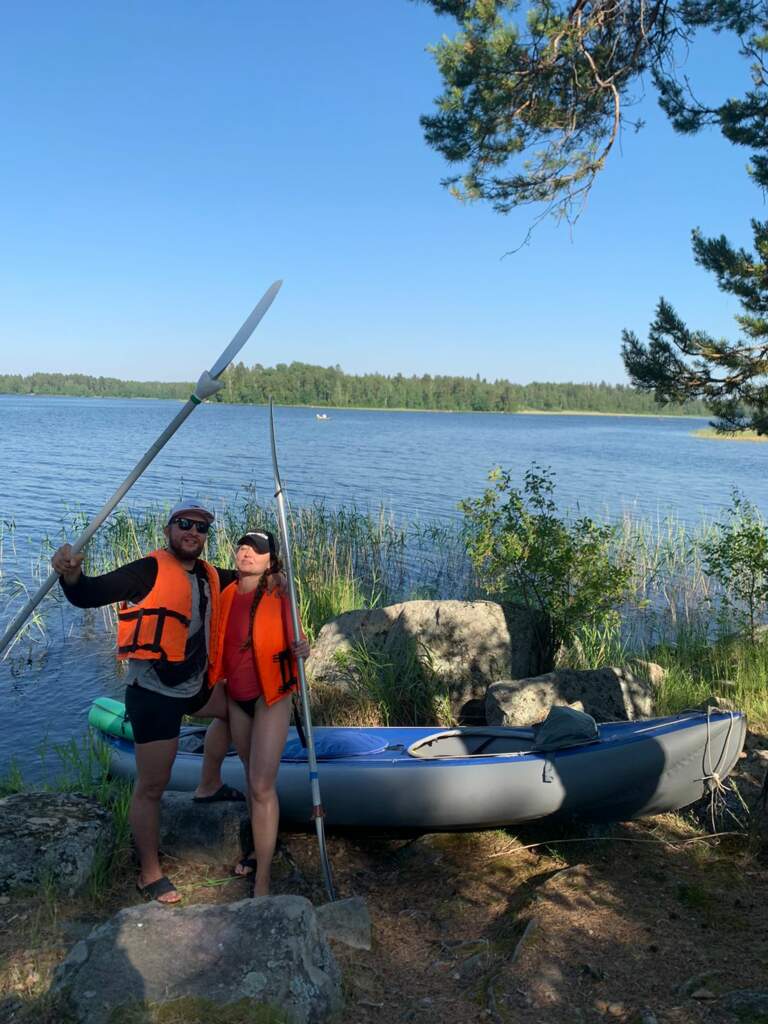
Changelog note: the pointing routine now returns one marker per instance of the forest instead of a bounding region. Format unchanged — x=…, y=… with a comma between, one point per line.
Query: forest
x=303, y=384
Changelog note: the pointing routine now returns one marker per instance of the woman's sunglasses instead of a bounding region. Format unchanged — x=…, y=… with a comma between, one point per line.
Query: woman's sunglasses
x=189, y=524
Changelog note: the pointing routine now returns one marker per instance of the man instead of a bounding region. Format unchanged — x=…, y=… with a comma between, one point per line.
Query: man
x=168, y=632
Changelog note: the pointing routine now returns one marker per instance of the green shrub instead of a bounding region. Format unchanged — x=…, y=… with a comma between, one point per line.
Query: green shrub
x=737, y=556
x=569, y=574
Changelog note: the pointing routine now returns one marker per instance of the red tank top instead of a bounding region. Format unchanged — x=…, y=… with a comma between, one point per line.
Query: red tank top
x=239, y=664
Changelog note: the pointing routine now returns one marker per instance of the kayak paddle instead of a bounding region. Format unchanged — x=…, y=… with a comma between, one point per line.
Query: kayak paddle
x=208, y=385
x=317, y=806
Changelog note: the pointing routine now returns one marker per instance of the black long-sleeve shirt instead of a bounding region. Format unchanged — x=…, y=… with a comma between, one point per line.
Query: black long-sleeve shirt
x=132, y=583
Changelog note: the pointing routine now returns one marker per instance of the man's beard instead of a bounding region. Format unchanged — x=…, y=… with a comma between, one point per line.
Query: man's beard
x=181, y=553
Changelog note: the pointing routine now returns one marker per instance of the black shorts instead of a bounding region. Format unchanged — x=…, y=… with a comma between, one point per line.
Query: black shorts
x=154, y=716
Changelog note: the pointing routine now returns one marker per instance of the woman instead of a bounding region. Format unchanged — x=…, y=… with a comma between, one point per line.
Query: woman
x=258, y=660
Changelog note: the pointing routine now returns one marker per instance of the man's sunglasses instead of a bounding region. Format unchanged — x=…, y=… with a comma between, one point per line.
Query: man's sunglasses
x=191, y=524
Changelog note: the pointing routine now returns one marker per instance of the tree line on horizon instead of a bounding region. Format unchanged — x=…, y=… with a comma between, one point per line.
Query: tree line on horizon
x=303, y=384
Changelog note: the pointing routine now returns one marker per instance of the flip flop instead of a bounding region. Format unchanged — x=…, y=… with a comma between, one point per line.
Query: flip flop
x=245, y=862
x=160, y=887
x=224, y=792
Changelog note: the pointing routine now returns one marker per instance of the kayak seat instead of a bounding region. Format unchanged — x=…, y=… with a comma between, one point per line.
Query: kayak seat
x=481, y=741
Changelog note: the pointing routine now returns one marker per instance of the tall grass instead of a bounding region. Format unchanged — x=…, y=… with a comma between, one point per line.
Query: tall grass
x=344, y=558
x=671, y=595
x=398, y=687
x=735, y=668
x=347, y=559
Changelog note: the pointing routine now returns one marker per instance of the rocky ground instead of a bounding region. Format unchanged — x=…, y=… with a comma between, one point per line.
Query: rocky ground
x=642, y=922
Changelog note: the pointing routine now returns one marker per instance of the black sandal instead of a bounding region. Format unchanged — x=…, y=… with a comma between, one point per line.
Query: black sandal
x=245, y=862
x=160, y=887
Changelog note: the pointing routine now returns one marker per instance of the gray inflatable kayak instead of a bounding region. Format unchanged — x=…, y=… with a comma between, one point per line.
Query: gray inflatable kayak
x=476, y=777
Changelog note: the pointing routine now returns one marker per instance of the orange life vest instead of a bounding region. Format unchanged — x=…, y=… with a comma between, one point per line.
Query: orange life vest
x=158, y=625
x=274, y=661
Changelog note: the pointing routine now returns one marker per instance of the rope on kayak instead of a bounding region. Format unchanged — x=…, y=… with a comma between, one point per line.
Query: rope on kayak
x=718, y=788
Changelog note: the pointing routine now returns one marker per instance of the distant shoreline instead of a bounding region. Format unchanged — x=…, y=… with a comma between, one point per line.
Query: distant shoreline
x=376, y=408
x=589, y=412
x=710, y=434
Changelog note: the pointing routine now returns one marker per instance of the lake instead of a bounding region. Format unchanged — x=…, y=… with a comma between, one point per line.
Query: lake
x=65, y=454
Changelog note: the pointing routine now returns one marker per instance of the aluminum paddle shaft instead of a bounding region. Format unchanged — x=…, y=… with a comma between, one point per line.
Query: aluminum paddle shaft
x=317, y=805
x=208, y=385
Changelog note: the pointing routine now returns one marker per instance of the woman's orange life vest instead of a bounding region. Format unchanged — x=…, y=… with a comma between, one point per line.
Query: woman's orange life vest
x=270, y=644
x=158, y=625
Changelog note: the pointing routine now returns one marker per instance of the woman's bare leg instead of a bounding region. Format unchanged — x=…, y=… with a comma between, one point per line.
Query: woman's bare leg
x=216, y=743
x=268, y=734
x=241, y=726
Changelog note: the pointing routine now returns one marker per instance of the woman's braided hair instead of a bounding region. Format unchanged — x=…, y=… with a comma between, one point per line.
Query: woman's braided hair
x=275, y=565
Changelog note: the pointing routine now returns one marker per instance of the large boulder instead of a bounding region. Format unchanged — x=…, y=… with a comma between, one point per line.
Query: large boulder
x=205, y=832
x=56, y=838
x=270, y=950
x=608, y=694
x=466, y=644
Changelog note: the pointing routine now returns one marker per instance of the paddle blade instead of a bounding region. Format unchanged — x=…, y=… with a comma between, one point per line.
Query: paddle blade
x=245, y=331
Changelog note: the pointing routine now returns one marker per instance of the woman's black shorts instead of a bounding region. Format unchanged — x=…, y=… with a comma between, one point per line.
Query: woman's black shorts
x=154, y=716
x=248, y=706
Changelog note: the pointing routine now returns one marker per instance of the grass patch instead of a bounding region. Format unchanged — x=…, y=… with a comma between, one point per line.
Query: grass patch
x=693, y=896
x=735, y=669
x=189, y=1010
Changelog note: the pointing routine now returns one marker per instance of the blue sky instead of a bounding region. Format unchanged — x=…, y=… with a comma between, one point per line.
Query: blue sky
x=162, y=163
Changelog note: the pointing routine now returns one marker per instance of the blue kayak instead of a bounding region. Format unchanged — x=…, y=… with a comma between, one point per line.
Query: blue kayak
x=474, y=777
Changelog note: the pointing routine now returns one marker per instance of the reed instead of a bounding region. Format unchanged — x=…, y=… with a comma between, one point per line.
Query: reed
x=671, y=596
x=734, y=667
x=349, y=558
x=397, y=688
x=345, y=558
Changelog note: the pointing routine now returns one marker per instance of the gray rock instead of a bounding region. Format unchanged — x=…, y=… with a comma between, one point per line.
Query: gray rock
x=424, y=852
x=474, y=967
x=751, y=1001
x=270, y=950
x=10, y=1009
x=52, y=838
x=716, y=702
x=696, y=982
x=346, y=921
x=655, y=674
x=208, y=833
x=608, y=694
x=528, y=932
x=466, y=644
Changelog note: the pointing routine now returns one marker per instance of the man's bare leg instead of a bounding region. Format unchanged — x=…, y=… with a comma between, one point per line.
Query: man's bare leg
x=153, y=766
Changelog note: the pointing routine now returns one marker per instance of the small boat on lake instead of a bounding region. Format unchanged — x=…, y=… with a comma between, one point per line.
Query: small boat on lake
x=321, y=416
x=473, y=777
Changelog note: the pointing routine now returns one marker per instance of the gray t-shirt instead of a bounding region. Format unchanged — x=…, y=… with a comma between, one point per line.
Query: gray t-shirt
x=143, y=673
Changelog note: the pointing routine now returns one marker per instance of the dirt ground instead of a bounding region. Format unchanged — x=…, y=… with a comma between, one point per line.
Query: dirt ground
x=650, y=921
